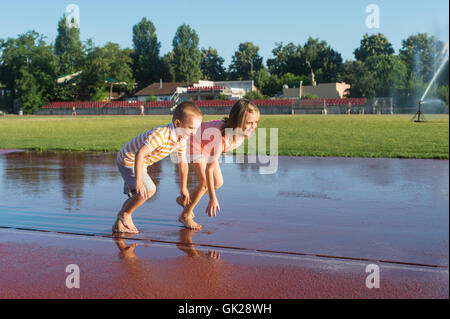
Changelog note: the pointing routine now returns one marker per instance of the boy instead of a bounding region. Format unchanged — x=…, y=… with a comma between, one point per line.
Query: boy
x=148, y=148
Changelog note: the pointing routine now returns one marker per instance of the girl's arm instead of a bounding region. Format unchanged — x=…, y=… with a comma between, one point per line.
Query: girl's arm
x=213, y=204
x=210, y=179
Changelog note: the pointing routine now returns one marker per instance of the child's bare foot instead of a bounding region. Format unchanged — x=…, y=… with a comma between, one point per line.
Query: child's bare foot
x=118, y=227
x=126, y=252
x=188, y=222
x=185, y=243
x=214, y=254
x=124, y=224
x=179, y=201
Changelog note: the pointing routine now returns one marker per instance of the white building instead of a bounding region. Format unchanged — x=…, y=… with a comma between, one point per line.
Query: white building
x=201, y=90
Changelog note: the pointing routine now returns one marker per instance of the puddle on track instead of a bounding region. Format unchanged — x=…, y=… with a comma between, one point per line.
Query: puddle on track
x=390, y=209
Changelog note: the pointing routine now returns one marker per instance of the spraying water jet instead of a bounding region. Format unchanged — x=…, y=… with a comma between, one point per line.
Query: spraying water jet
x=419, y=114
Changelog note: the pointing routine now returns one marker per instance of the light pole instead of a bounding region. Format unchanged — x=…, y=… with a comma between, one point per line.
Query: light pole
x=251, y=65
x=28, y=60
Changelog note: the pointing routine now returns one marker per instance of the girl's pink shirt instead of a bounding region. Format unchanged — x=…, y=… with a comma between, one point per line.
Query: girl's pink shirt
x=203, y=142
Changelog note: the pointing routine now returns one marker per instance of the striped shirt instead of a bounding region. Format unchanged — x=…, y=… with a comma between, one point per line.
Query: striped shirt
x=209, y=137
x=160, y=140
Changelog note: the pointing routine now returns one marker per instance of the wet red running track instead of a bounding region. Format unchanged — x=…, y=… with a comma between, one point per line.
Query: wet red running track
x=34, y=266
x=307, y=231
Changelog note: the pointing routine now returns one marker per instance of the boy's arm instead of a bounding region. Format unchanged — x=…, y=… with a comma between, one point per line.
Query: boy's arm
x=151, y=143
x=183, y=169
x=138, y=169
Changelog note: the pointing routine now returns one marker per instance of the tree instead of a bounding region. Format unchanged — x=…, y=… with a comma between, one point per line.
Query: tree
x=373, y=45
x=261, y=79
x=314, y=56
x=287, y=59
x=268, y=84
x=30, y=93
x=28, y=69
x=359, y=77
x=108, y=65
x=293, y=80
x=68, y=47
x=186, y=55
x=211, y=65
x=389, y=74
x=168, y=74
x=325, y=62
x=71, y=57
x=254, y=95
x=70, y=53
x=443, y=94
x=147, y=65
x=422, y=55
x=245, y=61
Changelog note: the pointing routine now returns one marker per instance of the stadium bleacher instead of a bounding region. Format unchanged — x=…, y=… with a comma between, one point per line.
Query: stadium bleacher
x=77, y=104
x=125, y=104
x=206, y=103
x=159, y=104
x=214, y=88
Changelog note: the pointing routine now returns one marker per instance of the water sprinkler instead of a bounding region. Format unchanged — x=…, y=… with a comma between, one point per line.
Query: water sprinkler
x=419, y=114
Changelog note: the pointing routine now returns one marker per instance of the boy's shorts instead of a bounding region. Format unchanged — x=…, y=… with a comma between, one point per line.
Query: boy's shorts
x=129, y=177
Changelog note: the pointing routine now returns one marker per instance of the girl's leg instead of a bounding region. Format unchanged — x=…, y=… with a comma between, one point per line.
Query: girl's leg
x=218, y=178
x=201, y=189
x=186, y=217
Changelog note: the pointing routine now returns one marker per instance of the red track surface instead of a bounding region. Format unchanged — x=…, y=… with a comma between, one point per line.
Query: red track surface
x=34, y=266
x=308, y=231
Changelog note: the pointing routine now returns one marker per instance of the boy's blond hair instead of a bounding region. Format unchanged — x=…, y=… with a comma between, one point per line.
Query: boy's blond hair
x=186, y=109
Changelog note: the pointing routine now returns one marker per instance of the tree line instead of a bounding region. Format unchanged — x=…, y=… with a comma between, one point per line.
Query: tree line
x=29, y=66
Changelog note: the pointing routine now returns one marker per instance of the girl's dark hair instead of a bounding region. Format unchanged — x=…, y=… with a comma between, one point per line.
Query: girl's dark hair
x=238, y=114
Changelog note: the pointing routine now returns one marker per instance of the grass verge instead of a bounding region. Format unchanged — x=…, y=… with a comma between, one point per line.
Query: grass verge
x=390, y=136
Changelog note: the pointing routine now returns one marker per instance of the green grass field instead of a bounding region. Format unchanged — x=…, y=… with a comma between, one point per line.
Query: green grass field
x=299, y=135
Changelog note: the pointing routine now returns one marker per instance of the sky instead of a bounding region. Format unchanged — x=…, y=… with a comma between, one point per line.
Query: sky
x=223, y=25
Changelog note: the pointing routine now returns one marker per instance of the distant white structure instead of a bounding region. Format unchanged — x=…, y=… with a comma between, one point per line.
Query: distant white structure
x=322, y=90
x=201, y=90
x=68, y=77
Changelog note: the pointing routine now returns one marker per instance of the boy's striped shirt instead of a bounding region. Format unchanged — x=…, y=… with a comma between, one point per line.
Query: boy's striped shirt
x=160, y=140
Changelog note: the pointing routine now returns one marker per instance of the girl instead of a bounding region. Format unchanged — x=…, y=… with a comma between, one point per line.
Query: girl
x=213, y=138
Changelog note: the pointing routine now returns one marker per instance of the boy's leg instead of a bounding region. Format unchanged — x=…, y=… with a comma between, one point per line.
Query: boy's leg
x=130, y=206
x=124, y=222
